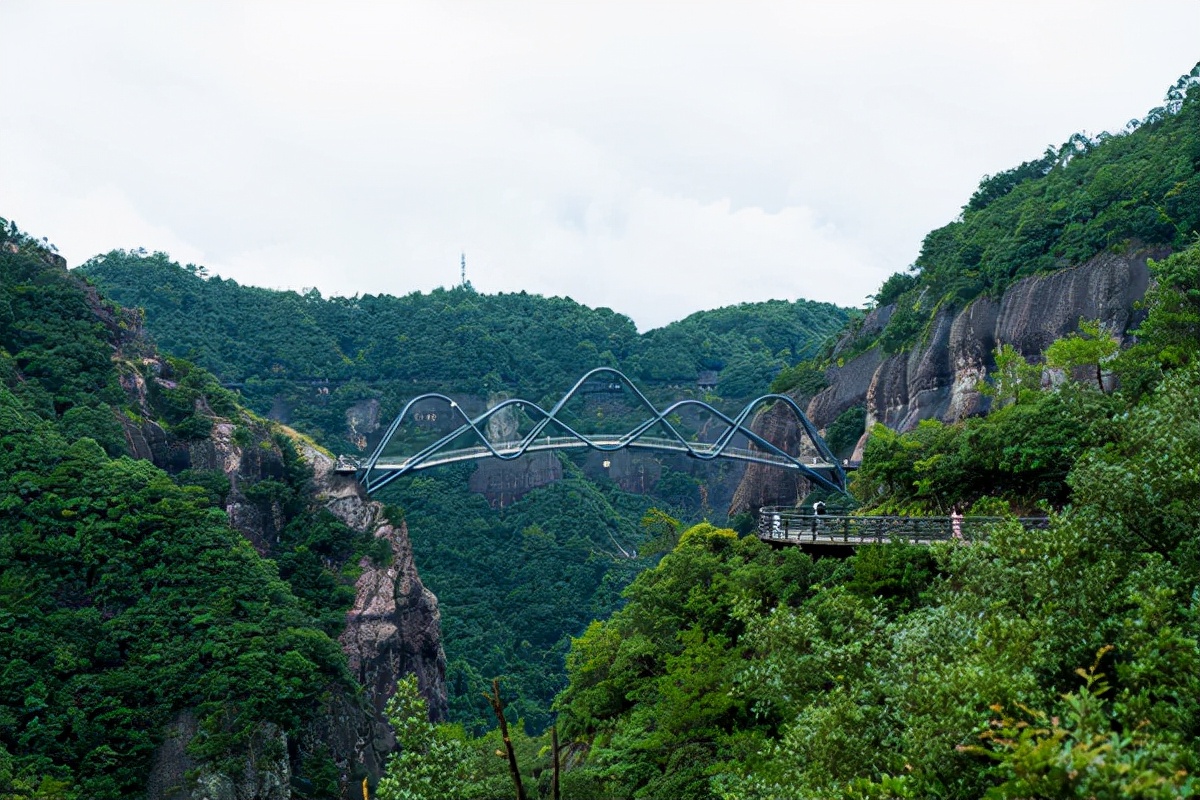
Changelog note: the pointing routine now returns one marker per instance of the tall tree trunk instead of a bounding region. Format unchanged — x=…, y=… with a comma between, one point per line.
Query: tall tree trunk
x=498, y=707
x=554, y=795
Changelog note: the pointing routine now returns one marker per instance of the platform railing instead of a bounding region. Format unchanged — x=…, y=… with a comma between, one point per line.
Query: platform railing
x=798, y=526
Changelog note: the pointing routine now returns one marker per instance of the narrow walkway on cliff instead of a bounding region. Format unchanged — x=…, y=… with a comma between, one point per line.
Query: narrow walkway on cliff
x=798, y=526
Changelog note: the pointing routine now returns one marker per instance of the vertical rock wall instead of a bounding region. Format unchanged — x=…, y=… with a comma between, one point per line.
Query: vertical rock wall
x=938, y=378
x=393, y=629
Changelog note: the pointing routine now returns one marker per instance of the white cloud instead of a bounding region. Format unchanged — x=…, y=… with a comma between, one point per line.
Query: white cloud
x=657, y=158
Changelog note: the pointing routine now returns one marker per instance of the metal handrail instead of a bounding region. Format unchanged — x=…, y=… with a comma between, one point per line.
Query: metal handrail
x=798, y=525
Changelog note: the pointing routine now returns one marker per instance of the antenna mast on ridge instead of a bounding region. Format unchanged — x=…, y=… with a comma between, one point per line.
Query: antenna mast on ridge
x=464, y=270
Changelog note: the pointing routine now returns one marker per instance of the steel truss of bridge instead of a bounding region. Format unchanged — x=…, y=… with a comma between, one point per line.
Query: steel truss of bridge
x=823, y=470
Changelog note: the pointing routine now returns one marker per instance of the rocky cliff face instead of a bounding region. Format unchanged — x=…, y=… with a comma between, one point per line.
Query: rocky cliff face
x=937, y=379
x=393, y=629
x=762, y=485
x=175, y=775
x=505, y=482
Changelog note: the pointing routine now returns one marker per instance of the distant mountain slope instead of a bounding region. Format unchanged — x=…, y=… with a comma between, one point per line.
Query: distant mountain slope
x=1139, y=188
x=455, y=338
x=157, y=629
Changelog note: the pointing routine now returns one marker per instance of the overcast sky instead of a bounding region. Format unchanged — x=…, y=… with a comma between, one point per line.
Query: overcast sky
x=655, y=158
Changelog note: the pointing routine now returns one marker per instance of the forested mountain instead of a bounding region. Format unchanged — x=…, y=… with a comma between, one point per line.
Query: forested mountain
x=1134, y=189
x=128, y=602
x=451, y=340
x=1058, y=663
x=516, y=582
x=1036, y=250
x=1052, y=663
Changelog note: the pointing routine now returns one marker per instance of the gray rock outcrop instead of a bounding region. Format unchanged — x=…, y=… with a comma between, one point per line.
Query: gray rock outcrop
x=762, y=485
x=938, y=378
x=394, y=626
x=393, y=629
x=175, y=775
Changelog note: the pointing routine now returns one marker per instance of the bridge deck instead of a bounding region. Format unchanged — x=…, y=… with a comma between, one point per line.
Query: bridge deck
x=794, y=526
x=702, y=449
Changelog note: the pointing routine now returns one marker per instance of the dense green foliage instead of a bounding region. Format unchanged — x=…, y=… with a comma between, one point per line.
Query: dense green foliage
x=1021, y=453
x=1054, y=663
x=1094, y=193
x=845, y=431
x=886, y=678
x=747, y=344
x=125, y=597
x=1167, y=338
x=516, y=584
x=1140, y=187
x=439, y=762
x=52, y=335
x=278, y=344
x=1057, y=663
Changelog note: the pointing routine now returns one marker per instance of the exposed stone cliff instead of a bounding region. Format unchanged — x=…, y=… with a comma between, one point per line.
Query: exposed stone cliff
x=937, y=379
x=762, y=485
x=393, y=628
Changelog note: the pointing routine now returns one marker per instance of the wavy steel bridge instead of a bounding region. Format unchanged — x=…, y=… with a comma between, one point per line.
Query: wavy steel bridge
x=798, y=526
x=823, y=470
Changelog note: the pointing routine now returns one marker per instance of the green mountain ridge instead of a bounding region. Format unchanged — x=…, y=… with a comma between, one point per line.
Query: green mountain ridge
x=127, y=600
x=1139, y=187
x=1063, y=663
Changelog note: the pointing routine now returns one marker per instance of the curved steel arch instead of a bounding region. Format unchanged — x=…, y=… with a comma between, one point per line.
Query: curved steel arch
x=374, y=477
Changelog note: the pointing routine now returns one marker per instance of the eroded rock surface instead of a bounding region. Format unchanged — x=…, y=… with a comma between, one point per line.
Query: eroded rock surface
x=175, y=775
x=394, y=627
x=762, y=485
x=938, y=379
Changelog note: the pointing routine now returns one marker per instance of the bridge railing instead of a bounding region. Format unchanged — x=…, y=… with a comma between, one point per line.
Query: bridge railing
x=568, y=442
x=797, y=526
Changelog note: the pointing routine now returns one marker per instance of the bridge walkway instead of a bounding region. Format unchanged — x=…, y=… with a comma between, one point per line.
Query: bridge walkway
x=796, y=526
x=701, y=449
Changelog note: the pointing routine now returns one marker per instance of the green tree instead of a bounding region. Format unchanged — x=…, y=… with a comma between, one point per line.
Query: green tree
x=1172, y=325
x=1079, y=754
x=1012, y=378
x=1090, y=347
x=432, y=763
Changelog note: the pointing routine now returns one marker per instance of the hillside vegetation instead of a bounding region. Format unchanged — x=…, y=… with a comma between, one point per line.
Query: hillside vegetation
x=1138, y=187
x=450, y=340
x=515, y=584
x=1059, y=663
x=1054, y=664
x=126, y=599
